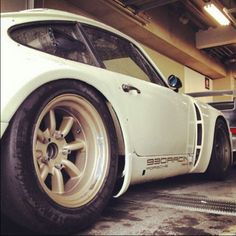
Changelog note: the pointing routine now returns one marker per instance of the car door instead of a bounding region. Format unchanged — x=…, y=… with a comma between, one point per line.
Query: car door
x=160, y=121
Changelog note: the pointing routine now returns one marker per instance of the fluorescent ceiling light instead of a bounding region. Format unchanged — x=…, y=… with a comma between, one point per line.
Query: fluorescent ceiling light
x=216, y=14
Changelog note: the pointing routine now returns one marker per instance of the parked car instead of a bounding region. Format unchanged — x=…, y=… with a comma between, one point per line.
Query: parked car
x=85, y=114
x=228, y=108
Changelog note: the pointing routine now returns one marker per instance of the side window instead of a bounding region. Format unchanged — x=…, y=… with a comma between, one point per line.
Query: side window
x=59, y=39
x=119, y=55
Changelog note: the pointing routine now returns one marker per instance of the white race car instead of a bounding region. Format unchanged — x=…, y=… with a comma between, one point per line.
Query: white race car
x=85, y=113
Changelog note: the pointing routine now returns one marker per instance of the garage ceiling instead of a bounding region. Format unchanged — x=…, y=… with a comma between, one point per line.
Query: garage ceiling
x=191, y=12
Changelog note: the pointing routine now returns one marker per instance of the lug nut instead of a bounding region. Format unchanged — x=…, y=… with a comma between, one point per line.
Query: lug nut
x=45, y=160
x=59, y=166
x=58, y=135
x=66, y=151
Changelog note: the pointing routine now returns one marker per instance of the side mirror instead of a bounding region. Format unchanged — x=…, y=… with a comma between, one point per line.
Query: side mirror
x=174, y=82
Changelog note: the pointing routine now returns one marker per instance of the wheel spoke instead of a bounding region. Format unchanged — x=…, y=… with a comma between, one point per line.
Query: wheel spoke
x=40, y=135
x=44, y=172
x=57, y=181
x=66, y=125
x=40, y=148
x=47, y=135
x=51, y=121
x=38, y=153
x=71, y=169
x=75, y=145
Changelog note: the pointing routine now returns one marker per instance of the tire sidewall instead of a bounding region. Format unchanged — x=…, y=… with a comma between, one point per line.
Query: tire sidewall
x=215, y=169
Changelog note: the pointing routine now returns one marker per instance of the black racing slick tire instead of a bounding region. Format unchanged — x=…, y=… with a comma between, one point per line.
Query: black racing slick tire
x=59, y=159
x=221, y=156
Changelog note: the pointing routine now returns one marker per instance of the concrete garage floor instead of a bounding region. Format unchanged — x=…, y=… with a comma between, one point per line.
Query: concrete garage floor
x=154, y=209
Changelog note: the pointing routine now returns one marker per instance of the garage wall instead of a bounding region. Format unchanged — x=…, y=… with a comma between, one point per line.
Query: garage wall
x=227, y=83
x=18, y=5
x=195, y=82
x=64, y=6
x=13, y=5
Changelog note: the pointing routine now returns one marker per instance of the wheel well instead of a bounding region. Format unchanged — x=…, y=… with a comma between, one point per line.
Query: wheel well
x=226, y=123
x=223, y=119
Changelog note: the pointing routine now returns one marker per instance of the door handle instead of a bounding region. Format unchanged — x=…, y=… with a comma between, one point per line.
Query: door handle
x=127, y=88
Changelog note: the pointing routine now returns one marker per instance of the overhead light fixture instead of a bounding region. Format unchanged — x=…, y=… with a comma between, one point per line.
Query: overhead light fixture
x=216, y=14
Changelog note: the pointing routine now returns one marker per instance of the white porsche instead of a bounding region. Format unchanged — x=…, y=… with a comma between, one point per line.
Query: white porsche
x=85, y=113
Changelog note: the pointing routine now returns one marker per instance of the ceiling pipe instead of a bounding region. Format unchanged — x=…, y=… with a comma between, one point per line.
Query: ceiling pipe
x=118, y=6
x=130, y=2
x=232, y=10
x=229, y=15
x=190, y=5
x=154, y=4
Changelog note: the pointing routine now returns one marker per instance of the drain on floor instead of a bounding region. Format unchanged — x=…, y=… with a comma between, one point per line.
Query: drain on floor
x=198, y=203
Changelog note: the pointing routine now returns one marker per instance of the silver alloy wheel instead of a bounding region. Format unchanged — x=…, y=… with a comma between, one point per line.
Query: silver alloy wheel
x=70, y=150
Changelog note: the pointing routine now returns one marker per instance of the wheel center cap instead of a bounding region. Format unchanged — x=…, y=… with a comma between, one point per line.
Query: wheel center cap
x=52, y=151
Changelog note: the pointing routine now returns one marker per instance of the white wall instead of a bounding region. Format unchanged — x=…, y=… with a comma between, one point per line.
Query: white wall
x=195, y=82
